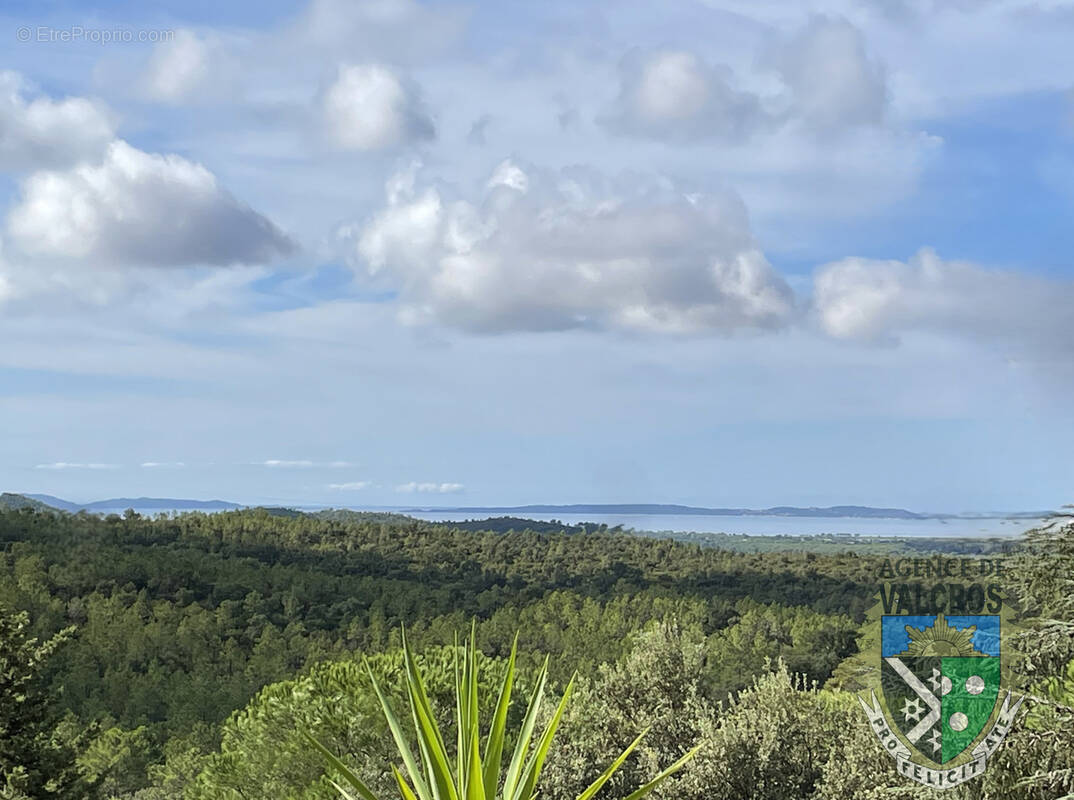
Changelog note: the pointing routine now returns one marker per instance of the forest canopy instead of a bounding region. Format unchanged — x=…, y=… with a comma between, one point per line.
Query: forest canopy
x=182, y=657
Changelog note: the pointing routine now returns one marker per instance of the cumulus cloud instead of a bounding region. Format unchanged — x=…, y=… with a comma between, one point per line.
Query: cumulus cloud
x=828, y=82
x=872, y=300
x=430, y=488
x=831, y=79
x=370, y=107
x=676, y=95
x=177, y=68
x=541, y=250
x=142, y=209
x=45, y=133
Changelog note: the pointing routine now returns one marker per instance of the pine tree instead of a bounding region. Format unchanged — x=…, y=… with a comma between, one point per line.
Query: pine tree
x=33, y=763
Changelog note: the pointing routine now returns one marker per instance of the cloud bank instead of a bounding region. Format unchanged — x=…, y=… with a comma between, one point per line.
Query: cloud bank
x=430, y=488
x=350, y=486
x=65, y=465
x=878, y=301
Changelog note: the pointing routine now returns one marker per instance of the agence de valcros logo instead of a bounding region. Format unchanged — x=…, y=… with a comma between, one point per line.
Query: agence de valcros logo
x=938, y=701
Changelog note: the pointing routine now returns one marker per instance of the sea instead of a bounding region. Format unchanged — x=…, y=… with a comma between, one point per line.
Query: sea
x=773, y=525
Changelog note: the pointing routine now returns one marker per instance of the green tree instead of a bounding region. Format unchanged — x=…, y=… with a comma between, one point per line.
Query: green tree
x=262, y=750
x=472, y=765
x=34, y=760
x=659, y=687
x=116, y=760
x=811, y=644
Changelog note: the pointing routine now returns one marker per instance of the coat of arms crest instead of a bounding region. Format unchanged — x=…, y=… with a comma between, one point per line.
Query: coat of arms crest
x=940, y=708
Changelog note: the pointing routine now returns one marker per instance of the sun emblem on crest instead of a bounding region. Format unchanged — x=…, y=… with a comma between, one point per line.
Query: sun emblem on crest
x=938, y=701
x=940, y=639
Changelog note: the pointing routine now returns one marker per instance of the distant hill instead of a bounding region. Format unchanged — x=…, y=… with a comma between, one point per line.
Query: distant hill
x=347, y=515
x=19, y=501
x=505, y=524
x=55, y=502
x=139, y=503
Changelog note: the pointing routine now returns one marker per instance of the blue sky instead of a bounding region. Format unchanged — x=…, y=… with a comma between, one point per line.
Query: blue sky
x=388, y=252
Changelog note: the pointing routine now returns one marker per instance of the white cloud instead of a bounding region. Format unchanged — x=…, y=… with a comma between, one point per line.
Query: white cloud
x=163, y=465
x=674, y=94
x=47, y=133
x=430, y=488
x=827, y=82
x=178, y=68
x=142, y=209
x=276, y=463
x=62, y=465
x=540, y=250
x=858, y=298
x=370, y=107
x=831, y=79
x=350, y=486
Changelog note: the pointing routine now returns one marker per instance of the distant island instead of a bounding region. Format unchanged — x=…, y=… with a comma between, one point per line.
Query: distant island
x=828, y=512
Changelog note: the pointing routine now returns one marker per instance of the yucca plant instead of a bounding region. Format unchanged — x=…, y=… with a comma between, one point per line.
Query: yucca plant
x=476, y=772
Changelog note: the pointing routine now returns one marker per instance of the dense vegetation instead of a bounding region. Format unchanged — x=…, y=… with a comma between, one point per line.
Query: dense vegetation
x=195, y=650
x=841, y=543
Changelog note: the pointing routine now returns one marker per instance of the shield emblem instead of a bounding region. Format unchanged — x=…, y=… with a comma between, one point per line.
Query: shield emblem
x=940, y=678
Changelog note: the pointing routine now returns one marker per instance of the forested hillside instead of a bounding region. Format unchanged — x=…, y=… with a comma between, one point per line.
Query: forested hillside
x=195, y=649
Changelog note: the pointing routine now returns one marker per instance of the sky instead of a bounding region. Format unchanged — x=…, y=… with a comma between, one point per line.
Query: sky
x=393, y=253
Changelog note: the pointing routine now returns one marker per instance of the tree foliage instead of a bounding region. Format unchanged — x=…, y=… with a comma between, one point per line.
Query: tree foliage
x=35, y=761
x=202, y=645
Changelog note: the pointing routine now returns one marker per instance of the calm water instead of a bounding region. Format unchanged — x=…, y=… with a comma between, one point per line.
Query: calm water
x=771, y=526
